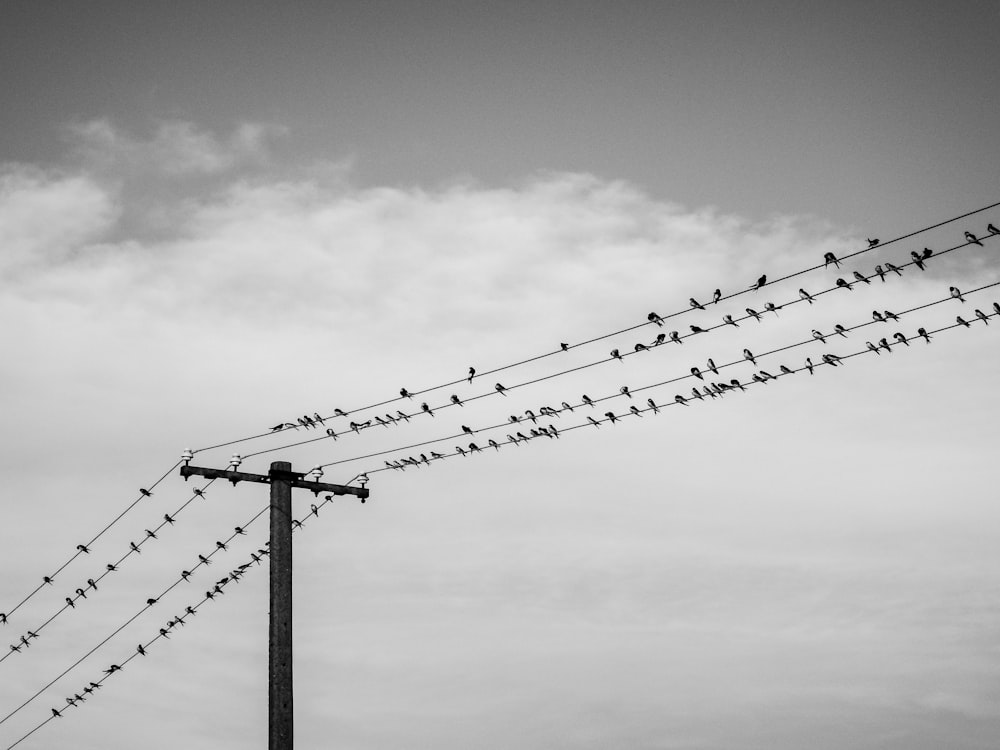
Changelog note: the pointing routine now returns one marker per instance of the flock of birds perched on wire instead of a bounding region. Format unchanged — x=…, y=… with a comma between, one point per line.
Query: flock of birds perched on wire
x=528, y=426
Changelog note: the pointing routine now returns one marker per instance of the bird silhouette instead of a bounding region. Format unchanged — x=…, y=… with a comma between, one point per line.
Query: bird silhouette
x=204, y=560
x=611, y=416
x=806, y=296
x=640, y=347
x=140, y=650
x=675, y=336
x=697, y=373
x=737, y=384
x=717, y=295
x=890, y=315
x=900, y=338
x=872, y=347
x=426, y=409
x=500, y=389
x=844, y=285
x=861, y=277
x=884, y=344
x=881, y=273
x=829, y=258
x=818, y=336
x=893, y=268
x=696, y=329
x=594, y=422
x=151, y=535
x=840, y=330
x=459, y=450
x=771, y=307
x=748, y=355
x=186, y=574
x=872, y=243
x=586, y=399
x=625, y=391
x=960, y=319
x=111, y=568
x=831, y=359
x=531, y=415
x=81, y=593
x=566, y=406
x=145, y=492
x=918, y=260
x=653, y=406
x=467, y=430
x=757, y=378
x=564, y=347
x=83, y=548
x=711, y=366
x=456, y=400
x=615, y=354
x=404, y=393
x=472, y=373
x=753, y=314
x=760, y=282
x=660, y=338
x=654, y=318
x=809, y=365
x=923, y=332
x=695, y=304
x=494, y=444
x=135, y=548
x=972, y=238
x=982, y=316
x=168, y=518
x=956, y=294
x=785, y=370
x=635, y=410
x=728, y=320
x=992, y=229
x=877, y=316
x=70, y=603
x=681, y=400
x=474, y=448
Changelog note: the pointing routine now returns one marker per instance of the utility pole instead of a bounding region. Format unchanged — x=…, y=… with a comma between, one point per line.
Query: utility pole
x=282, y=479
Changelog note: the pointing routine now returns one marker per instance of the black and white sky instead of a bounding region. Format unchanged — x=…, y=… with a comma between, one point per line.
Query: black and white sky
x=216, y=217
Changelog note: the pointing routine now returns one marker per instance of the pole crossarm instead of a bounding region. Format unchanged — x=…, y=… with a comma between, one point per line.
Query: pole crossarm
x=294, y=478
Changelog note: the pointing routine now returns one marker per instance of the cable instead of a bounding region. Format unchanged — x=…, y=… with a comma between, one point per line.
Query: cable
x=202, y=560
x=47, y=579
x=642, y=388
x=535, y=358
x=91, y=583
x=615, y=355
x=189, y=610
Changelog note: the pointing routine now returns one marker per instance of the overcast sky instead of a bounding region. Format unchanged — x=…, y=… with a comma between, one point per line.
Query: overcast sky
x=215, y=218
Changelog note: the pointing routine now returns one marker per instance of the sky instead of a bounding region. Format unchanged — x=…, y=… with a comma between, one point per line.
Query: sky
x=215, y=219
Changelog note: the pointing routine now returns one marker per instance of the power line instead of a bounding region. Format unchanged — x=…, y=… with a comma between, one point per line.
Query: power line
x=202, y=560
x=91, y=583
x=606, y=335
x=145, y=492
x=645, y=388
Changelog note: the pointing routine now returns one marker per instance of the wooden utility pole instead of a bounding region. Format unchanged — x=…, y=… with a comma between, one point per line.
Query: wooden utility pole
x=282, y=479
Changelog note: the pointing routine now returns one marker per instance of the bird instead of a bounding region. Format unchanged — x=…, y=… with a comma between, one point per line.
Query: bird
x=711, y=366
x=624, y=391
x=113, y=668
x=972, y=238
x=893, y=268
x=872, y=243
x=47, y=579
x=717, y=294
x=531, y=415
x=918, y=260
x=151, y=535
x=757, y=378
x=697, y=373
x=586, y=399
x=956, y=294
x=996, y=308
x=681, y=400
x=163, y=632
x=611, y=416
x=748, y=355
x=135, y=548
x=567, y=406
x=81, y=593
x=640, y=347
x=141, y=651
x=594, y=422
x=200, y=493
x=111, y=568
x=884, y=344
x=831, y=359
x=992, y=229
x=697, y=394
x=923, y=332
x=500, y=389
x=239, y=530
x=881, y=273
x=654, y=318
x=494, y=444
x=467, y=430
x=871, y=347
x=340, y=412
x=696, y=329
x=472, y=373
x=653, y=406
x=186, y=574
x=695, y=304
x=809, y=365
x=221, y=545
x=150, y=602
x=145, y=492
x=861, y=277
x=14, y=648
x=890, y=315
x=204, y=560
x=728, y=320
x=844, y=285
x=785, y=370
x=635, y=410
x=514, y=419
x=736, y=384
x=900, y=338
x=474, y=448
x=771, y=307
x=70, y=602
x=426, y=409
x=615, y=354
x=83, y=548
x=168, y=518
x=460, y=450
x=675, y=336
x=806, y=296
x=960, y=319
x=660, y=338
x=3, y=618
x=877, y=316
x=456, y=400
x=404, y=393
x=753, y=314
x=982, y=316
x=818, y=336
x=840, y=330
x=760, y=282
x=829, y=258
x=564, y=347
